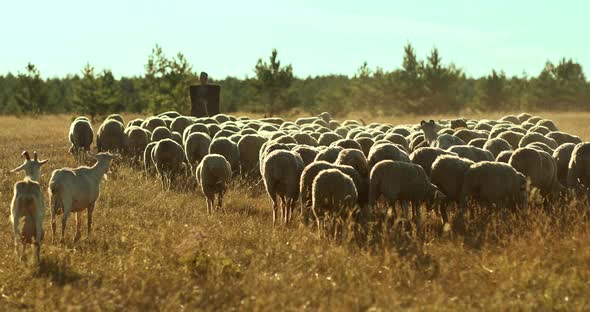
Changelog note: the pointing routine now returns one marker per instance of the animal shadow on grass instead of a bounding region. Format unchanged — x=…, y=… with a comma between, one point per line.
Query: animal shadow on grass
x=58, y=271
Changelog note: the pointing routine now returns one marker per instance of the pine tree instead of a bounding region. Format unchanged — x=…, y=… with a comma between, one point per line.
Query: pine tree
x=272, y=80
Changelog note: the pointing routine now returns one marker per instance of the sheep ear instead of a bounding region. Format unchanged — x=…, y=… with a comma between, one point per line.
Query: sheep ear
x=43, y=162
x=19, y=168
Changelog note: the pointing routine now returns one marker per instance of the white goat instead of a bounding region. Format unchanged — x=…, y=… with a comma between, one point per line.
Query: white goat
x=74, y=190
x=28, y=202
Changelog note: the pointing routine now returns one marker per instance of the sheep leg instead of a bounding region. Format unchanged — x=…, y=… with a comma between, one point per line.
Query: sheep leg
x=209, y=204
x=275, y=207
x=89, y=221
x=78, y=225
x=220, y=200
x=416, y=208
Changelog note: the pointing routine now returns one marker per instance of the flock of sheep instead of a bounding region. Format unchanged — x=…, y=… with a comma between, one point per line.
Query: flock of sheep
x=332, y=168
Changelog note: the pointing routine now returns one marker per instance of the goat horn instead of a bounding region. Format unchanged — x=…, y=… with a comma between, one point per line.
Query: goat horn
x=26, y=155
x=35, y=156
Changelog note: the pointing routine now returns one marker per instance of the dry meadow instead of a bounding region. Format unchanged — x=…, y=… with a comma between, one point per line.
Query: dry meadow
x=159, y=250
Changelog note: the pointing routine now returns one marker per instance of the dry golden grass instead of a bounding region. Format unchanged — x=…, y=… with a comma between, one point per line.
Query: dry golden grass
x=156, y=250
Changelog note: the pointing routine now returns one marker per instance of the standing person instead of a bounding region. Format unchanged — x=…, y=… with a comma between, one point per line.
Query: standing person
x=204, y=97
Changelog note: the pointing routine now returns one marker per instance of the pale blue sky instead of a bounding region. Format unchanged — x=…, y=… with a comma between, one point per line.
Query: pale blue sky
x=316, y=36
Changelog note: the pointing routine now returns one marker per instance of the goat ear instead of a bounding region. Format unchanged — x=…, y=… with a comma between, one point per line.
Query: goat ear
x=431, y=121
x=43, y=162
x=422, y=123
x=19, y=168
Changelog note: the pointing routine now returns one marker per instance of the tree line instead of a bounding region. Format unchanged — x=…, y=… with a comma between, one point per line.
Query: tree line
x=417, y=86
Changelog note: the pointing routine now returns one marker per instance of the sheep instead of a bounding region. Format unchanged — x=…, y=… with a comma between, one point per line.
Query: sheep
x=169, y=114
x=563, y=138
x=496, y=146
x=354, y=158
x=447, y=174
x=249, y=147
x=538, y=166
x=472, y=153
x=168, y=159
x=196, y=148
x=511, y=118
x=536, y=137
x=312, y=170
x=562, y=156
x=328, y=138
x=137, y=139
x=75, y=190
x=504, y=156
x=540, y=146
x=467, y=135
x=512, y=137
x=366, y=144
x=111, y=136
x=547, y=124
x=28, y=202
x=197, y=127
x=81, y=136
x=152, y=123
x=578, y=175
x=304, y=138
x=267, y=148
x=307, y=153
x=281, y=173
x=180, y=123
x=389, y=151
x=347, y=143
x=492, y=183
x=116, y=117
x=213, y=174
x=160, y=133
x=398, y=139
x=227, y=149
x=329, y=154
x=404, y=182
x=425, y=157
x=522, y=117
x=539, y=129
x=333, y=192
x=135, y=122
x=147, y=157
x=477, y=143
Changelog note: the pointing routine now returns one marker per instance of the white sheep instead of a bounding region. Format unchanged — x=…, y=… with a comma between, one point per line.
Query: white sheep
x=228, y=149
x=562, y=156
x=385, y=151
x=81, y=136
x=447, y=174
x=425, y=157
x=75, y=190
x=111, y=136
x=354, y=158
x=578, y=175
x=538, y=166
x=281, y=173
x=137, y=139
x=473, y=153
x=333, y=192
x=168, y=159
x=401, y=181
x=493, y=183
x=28, y=202
x=213, y=174
x=196, y=147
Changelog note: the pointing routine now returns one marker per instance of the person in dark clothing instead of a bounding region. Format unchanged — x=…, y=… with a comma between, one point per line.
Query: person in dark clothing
x=204, y=97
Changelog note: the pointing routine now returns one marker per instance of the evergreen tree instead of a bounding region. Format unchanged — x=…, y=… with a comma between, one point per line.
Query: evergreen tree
x=272, y=80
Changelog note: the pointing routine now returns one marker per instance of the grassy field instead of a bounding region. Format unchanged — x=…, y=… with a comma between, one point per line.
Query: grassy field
x=158, y=250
